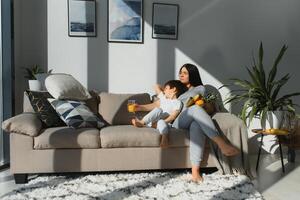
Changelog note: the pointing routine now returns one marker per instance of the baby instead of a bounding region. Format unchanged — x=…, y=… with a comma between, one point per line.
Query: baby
x=163, y=111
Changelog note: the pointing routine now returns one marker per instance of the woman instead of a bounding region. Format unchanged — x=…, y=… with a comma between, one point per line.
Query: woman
x=198, y=121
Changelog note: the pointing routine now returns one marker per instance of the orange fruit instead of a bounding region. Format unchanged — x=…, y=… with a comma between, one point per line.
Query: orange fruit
x=199, y=102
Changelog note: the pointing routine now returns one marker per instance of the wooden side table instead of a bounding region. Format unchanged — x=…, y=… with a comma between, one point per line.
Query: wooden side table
x=262, y=133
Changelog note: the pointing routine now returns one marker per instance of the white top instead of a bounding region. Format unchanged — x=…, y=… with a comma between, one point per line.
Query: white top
x=169, y=105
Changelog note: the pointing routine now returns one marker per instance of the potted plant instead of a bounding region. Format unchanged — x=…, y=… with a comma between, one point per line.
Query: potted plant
x=260, y=94
x=31, y=73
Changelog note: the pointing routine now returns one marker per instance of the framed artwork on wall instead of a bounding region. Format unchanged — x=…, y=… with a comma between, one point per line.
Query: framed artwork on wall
x=165, y=21
x=82, y=18
x=125, y=21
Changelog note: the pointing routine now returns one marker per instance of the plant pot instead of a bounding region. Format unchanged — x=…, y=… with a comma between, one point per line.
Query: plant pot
x=273, y=120
x=35, y=85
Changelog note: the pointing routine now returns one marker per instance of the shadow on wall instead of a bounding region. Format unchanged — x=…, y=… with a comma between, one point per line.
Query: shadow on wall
x=97, y=53
x=211, y=36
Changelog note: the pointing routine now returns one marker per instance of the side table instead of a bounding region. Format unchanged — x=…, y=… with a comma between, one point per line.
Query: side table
x=262, y=133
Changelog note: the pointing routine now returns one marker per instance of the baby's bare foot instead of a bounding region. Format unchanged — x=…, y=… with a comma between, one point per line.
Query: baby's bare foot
x=164, y=141
x=137, y=123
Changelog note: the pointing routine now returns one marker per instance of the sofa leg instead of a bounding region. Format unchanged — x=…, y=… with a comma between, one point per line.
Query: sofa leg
x=21, y=178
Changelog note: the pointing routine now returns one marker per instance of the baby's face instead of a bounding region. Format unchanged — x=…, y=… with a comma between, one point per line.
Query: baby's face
x=169, y=92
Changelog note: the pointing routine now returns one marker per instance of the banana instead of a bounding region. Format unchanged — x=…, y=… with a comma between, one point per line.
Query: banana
x=195, y=98
x=190, y=102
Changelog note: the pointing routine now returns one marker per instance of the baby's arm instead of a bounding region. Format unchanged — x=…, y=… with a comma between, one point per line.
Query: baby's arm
x=172, y=116
x=158, y=89
x=147, y=107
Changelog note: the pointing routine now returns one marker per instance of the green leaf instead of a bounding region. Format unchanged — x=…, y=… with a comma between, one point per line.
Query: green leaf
x=273, y=71
x=252, y=113
x=263, y=115
x=260, y=65
x=253, y=77
x=242, y=83
x=244, y=110
x=288, y=96
x=279, y=84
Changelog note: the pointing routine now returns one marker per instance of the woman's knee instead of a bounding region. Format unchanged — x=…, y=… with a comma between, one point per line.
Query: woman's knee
x=195, y=109
x=196, y=132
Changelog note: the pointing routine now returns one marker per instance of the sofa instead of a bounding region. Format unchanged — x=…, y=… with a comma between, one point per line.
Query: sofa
x=117, y=147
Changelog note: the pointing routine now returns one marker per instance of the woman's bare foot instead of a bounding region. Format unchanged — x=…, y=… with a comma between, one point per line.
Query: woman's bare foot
x=226, y=148
x=164, y=141
x=229, y=150
x=137, y=123
x=196, y=177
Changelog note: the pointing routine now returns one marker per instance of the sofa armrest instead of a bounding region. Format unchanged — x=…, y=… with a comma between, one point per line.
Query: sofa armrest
x=25, y=123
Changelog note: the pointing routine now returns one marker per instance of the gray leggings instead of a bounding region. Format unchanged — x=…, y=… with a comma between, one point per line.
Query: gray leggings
x=157, y=115
x=200, y=125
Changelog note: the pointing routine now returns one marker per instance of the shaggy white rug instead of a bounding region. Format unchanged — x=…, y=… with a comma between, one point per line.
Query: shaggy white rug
x=154, y=185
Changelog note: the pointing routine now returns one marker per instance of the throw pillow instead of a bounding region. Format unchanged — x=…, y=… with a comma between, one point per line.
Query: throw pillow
x=43, y=109
x=65, y=86
x=25, y=123
x=76, y=114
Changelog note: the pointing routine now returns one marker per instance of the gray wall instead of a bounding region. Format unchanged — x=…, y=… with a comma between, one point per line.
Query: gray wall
x=217, y=35
x=30, y=24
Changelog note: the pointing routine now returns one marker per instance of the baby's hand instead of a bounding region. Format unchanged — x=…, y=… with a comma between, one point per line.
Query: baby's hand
x=157, y=88
x=137, y=107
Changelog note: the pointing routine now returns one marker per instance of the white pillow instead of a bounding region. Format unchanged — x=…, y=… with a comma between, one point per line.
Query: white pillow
x=65, y=86
x=41, y=77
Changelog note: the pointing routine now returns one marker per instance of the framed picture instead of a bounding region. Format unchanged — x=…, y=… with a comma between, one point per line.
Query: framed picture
x=125, y=21
x=82, y=18
x=165, y=21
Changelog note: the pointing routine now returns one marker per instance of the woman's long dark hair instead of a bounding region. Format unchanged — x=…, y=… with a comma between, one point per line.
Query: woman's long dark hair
x=194, y=74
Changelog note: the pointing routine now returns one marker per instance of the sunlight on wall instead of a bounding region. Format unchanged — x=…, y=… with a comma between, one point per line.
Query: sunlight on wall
x=132, y=67
x=207, y=78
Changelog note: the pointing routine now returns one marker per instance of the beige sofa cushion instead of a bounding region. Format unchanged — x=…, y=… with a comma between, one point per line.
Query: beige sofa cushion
x=113, y=107
x=25, y=123
x=68, y=138
x=130, y=136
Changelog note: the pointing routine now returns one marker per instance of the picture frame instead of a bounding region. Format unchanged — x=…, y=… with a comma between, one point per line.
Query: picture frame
x=165, y=21
x=125, y=21
x=82, y=20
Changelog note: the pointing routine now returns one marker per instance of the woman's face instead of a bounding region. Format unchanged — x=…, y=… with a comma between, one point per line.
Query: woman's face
x=184, y=76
